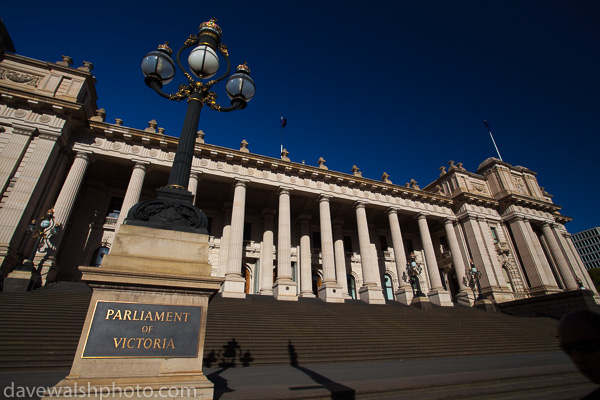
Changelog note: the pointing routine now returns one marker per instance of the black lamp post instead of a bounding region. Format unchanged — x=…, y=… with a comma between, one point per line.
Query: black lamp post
x=42, y=232
x=414, y=271
x=475, y=276
x=173, y=208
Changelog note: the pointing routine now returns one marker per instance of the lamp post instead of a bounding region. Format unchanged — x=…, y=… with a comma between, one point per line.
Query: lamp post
x=42, y=232
x=414, y=271
x=475, y=276
x=173, y=208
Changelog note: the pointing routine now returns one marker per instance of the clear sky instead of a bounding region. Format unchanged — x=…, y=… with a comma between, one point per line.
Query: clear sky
x=390, y=86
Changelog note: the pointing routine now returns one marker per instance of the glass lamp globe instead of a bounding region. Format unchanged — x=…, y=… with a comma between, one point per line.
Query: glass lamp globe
x=159, y=65
x=203, y=61
x=240, y=85
x=44, y=224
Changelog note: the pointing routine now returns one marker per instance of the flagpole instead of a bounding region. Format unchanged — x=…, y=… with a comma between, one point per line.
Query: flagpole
x=492, y=136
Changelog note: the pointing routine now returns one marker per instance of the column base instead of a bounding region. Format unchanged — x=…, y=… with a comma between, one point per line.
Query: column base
x=285, y=290
x=440, y=298
x=421, y=302
x=233, y=287
x=17, y=281
x=485, y=305
x=371, y=295
x=308, y=295
x=188, y=387
x=465, y=298
x=331, y=292
x=404, y=296
x=266, y=292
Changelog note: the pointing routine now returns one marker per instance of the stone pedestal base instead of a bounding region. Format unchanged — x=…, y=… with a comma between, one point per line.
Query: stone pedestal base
x=143, y=336
x=464, y=298
x=404, y=296
x=421, y=302
x=285, y=290
x=440, y=298
x=234, y=287
x=486, y=305
x=331, y=292
x=371, y=295
x=17, y=281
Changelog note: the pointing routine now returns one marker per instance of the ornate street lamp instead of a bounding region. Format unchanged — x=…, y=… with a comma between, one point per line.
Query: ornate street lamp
x=173, y=208
x=414, y=271
x=42, y=231
x=474, y=277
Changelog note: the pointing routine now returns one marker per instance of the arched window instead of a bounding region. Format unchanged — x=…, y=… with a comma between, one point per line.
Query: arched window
x=351, y=286
x=98, y=256
x=388, y=289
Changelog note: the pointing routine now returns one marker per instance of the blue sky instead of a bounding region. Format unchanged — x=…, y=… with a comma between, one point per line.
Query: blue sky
x=390, y=86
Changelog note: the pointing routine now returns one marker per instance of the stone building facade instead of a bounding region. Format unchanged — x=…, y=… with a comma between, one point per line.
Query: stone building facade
x=276, y=228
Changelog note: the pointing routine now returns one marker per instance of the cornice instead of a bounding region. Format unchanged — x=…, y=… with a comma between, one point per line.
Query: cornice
x=529, y=202
x=302, y=171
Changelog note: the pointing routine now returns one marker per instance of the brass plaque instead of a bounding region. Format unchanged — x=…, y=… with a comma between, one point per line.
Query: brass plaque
x=133, y=330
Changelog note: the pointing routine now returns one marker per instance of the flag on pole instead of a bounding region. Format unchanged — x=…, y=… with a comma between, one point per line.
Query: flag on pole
x=283, y=122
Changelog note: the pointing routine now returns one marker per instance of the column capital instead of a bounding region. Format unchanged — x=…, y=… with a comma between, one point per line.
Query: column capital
x=391, y=210
x=359, y=204
x=195, y=173
x=240, y=182
x=284, y=190
x=141, y=164
x=422, y=215
x=450, y=221
x=84, y=155
x=324, y=197
x=24, y=130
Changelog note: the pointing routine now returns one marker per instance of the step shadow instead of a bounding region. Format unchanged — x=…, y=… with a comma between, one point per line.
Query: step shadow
x=337, y=390
x=231, y=355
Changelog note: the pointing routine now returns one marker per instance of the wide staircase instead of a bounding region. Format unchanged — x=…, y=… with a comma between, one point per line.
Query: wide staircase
x=260, y=330
x=39, y=331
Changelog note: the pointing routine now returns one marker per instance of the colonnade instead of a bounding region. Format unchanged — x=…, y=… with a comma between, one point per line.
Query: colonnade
x=468, y=238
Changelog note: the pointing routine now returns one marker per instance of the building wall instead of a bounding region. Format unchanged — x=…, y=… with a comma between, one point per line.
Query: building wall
x=58, y=151
x=587, y=244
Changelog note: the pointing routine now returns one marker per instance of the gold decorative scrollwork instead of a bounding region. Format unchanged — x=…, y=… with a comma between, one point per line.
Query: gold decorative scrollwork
x=223, y=49
x=191, y=39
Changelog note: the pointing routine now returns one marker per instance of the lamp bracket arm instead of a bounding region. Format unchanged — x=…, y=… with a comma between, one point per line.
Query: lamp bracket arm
x=236, y=104
x=192, y=40
x=225, y=54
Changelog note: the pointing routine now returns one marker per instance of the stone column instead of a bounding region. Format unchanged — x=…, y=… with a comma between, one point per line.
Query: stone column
x=330, y=290
x=437, y=294
x=266, y=254
x=557, y=254
x=404, y=293
x=32, y=176
x=285, y=287
x=305, y=257
x=464, y=294
x=134, y=189
x=13, y=152
x=370, y=292
x=493, y=269
x=536, y=274
x=340, y=258
x=193, y=184
x=62, y=211
x=234, y=282
x=545, y=264
x=478, y=251
x=224, y=250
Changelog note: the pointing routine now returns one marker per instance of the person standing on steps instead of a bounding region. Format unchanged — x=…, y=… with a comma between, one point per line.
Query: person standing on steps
x=579, y=336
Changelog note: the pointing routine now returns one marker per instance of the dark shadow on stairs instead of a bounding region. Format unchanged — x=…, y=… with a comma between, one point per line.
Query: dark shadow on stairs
x=337, y=390
x=227, y=357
